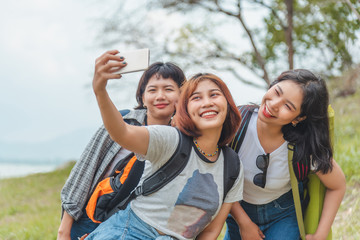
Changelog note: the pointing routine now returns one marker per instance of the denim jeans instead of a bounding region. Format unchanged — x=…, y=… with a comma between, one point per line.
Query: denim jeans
x=82, y=226
x=277, y=219
x=125, y=225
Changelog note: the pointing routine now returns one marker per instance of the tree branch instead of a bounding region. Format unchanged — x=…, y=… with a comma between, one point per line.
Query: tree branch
x=353, y=8
x=259, y=58
x=241, y=79
x=282, y=24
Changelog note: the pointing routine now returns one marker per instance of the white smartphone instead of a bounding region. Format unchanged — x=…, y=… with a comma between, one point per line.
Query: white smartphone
x=137, y=60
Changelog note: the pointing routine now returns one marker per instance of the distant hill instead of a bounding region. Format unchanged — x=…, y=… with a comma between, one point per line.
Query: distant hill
x=60, y=149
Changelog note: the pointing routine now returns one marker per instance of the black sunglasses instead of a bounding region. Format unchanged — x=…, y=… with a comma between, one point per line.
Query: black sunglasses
x=262, y=162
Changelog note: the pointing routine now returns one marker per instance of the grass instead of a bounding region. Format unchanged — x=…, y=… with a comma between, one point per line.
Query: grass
x=347, y=154
x=30, y=206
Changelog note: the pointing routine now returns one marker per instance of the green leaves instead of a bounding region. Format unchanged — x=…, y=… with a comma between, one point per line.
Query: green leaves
x=260, y=36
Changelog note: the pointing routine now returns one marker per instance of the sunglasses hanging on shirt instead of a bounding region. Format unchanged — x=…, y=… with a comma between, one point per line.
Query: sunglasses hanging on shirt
x=262, y=162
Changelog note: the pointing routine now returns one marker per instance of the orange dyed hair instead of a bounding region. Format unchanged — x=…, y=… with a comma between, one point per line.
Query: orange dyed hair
x=182, y=118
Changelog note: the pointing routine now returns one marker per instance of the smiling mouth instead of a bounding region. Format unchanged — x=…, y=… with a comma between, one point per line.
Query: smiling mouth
x=161, y=106
x=208, y=114
x=267, y=113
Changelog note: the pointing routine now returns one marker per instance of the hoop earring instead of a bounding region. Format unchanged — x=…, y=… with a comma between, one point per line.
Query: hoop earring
x=294, y=124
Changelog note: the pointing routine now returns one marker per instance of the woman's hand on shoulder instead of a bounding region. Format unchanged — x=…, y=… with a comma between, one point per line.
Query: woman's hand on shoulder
x=105, y=67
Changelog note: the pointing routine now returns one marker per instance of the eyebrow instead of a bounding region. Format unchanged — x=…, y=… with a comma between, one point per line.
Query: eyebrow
x=211, y=90
x=281, y=91
x=155, y=86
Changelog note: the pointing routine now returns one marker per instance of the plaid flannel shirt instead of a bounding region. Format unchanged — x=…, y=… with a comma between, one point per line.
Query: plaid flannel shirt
x=91, y=167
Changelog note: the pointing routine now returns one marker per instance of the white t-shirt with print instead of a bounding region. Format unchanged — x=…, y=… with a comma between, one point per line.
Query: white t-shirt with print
x=187, y=204
x=277, y=177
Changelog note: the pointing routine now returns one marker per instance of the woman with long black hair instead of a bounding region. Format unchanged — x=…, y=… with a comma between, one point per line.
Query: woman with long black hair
x=294, y=110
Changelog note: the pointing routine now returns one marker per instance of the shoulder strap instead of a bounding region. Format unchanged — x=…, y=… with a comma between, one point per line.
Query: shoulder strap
x=231, y=169
x=295, y=192
x=245, y=112
x=163, y=175
x=170, y=169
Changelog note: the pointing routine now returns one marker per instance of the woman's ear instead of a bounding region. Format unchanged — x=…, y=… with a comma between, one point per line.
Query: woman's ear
x=143, y=102
x=297, y=120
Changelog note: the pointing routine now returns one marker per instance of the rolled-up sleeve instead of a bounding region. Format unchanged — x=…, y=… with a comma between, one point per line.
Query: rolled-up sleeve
x=77, y=188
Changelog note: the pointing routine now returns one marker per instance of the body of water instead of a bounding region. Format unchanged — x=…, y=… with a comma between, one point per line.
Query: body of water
x=8, y=170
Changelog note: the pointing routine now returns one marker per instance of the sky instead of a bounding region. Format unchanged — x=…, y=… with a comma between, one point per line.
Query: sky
x=47, y=55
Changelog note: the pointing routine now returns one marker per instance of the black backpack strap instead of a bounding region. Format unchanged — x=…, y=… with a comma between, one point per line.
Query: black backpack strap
x=164, y=174
x=170, y=169
x=231, y=158
x=245, y=112
x=231, y=169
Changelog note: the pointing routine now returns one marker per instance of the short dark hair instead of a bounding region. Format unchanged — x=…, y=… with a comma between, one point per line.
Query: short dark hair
x=186, y=125
x=160, y=69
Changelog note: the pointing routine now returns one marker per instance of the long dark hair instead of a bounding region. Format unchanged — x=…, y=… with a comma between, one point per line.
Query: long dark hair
x=310, y=136
x=159, y=69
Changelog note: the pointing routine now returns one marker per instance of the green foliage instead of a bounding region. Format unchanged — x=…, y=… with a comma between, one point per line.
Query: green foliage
x=317, y=25
x=347, y=135
x=221, y=35
x=347, y=155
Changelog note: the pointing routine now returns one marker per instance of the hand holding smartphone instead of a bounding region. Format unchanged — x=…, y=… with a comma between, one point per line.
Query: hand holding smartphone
x=137, y=60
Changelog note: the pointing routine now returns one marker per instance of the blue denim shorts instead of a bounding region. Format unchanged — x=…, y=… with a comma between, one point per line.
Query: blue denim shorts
x=276, y=219
x=125, y=225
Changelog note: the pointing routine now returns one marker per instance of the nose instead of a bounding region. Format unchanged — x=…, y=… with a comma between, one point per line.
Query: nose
x=160, y=95
x=207, y=102
x=275, y=104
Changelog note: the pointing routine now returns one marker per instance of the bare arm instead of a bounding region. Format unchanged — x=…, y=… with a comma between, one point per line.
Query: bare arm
x=335, y=183
x=248, y=229
x=65, y=227
x=213, y=230
x=127, y=136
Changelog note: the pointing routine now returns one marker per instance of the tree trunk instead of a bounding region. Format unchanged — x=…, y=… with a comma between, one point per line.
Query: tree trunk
x=288, y=32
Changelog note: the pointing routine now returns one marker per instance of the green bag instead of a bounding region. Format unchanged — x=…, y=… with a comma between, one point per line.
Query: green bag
x=316, y=191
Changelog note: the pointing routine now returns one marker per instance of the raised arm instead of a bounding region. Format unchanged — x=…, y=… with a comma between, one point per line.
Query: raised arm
x=127, y=136
x=335, y=183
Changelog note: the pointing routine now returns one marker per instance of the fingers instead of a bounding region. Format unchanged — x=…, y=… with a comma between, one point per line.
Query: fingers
x=106, y=57
x=107, y=53
x=107, y=64
x=84, y=236
x=114, y=66
x=261, y=234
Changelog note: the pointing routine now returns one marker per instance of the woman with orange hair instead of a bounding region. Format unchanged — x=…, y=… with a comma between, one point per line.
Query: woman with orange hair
x=193, y=204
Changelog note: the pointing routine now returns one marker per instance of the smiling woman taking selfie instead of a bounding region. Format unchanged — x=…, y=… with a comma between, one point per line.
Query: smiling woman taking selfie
x=193, y=205
x=293, y=111
x=157, y=94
